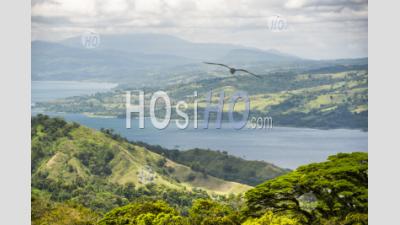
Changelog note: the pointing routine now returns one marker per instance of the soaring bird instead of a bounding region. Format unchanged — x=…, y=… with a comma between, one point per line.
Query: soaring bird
x=233, y=70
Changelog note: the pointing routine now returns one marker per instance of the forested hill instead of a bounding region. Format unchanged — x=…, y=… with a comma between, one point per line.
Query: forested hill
x=222, y=165
x=75, y=162
x=334, y=192
x=329, y=98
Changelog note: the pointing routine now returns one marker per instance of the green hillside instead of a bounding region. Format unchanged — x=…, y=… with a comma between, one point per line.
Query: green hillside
x=221, y=164
x=329, y=98
x=74, y=162
x=334, y=192
x=46, y=211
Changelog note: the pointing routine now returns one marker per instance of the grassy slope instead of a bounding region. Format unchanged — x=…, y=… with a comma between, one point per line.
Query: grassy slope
x=289, y=97
x=229, y=167
x=221, y=164
x=130, y=164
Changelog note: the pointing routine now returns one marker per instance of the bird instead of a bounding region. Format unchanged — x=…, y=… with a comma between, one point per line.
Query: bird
x=232, y=70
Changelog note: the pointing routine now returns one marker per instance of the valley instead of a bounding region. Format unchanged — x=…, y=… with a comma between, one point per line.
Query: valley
x=87, y=168
x=296, y=92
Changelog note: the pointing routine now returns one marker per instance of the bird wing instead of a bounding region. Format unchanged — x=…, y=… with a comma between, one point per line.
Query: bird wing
x=217, y=64
x=242, y=70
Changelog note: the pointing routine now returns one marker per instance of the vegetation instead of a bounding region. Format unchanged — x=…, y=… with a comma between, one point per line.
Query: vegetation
x=72, y=162
x=157, y=213
x=330, y=98
x=336, y=190
x=45, y=211
x=221, y=164
x=81, y=176
x=212, y=212
x=215, y=163
x=270, y=218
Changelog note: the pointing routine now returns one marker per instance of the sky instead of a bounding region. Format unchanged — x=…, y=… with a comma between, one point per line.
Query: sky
x=314, y=29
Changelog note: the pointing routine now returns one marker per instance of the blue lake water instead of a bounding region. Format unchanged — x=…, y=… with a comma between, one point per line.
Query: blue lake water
x=50, y=90
x=283, y=146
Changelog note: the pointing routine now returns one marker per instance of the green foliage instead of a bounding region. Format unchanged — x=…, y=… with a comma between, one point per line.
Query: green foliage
x=221, y=164
x=146, y=213
x=337, y=188
x=76, y=164
x=44, y=132
x=270, y=218
x=96, y=158
x=215, y=163
x=46, y=212
x=208, y=212
x=327, y=98
x=71, y=184
x=322, y=119
x=103, y=196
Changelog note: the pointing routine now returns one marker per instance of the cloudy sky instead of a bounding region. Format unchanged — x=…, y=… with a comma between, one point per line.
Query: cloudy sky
x=317, y=29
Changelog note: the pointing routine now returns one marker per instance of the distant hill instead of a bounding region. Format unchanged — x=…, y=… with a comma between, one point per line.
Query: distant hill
x=330, y=97
x=140, y=59
x=244, y=56
x=160, y=60
x=160, y=44
x=55, y=61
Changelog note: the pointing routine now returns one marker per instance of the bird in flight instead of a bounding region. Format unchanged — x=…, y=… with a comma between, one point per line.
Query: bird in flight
x=233, y=70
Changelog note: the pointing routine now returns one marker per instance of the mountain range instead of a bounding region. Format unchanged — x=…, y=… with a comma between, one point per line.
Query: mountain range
x=138, y=58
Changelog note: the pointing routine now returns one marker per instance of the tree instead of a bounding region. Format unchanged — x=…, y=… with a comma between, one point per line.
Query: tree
x=270, y=218
x=44, y=211
x=209, y=212
x=332, y=189
x=146, y=213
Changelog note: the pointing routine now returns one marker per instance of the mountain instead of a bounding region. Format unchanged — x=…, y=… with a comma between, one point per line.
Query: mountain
x=68, y=159
x=162, y=44
x=221, y=164
x=158, y=44
x=140, y=59
x=83, y=176
x=330, y=192
x=55, y=61
x=244, y=56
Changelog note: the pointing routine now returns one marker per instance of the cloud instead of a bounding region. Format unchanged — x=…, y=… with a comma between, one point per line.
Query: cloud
x=327, y=4
x=317, y=28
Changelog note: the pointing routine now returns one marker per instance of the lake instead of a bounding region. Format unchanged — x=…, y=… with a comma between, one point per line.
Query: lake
x=50, y=90
x=283, y=146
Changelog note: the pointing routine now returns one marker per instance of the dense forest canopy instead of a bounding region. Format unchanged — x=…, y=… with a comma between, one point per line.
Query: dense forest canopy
x=336, y=190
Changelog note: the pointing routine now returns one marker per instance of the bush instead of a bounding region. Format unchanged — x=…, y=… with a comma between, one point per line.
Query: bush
x=150, y=213
x=270, y=218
